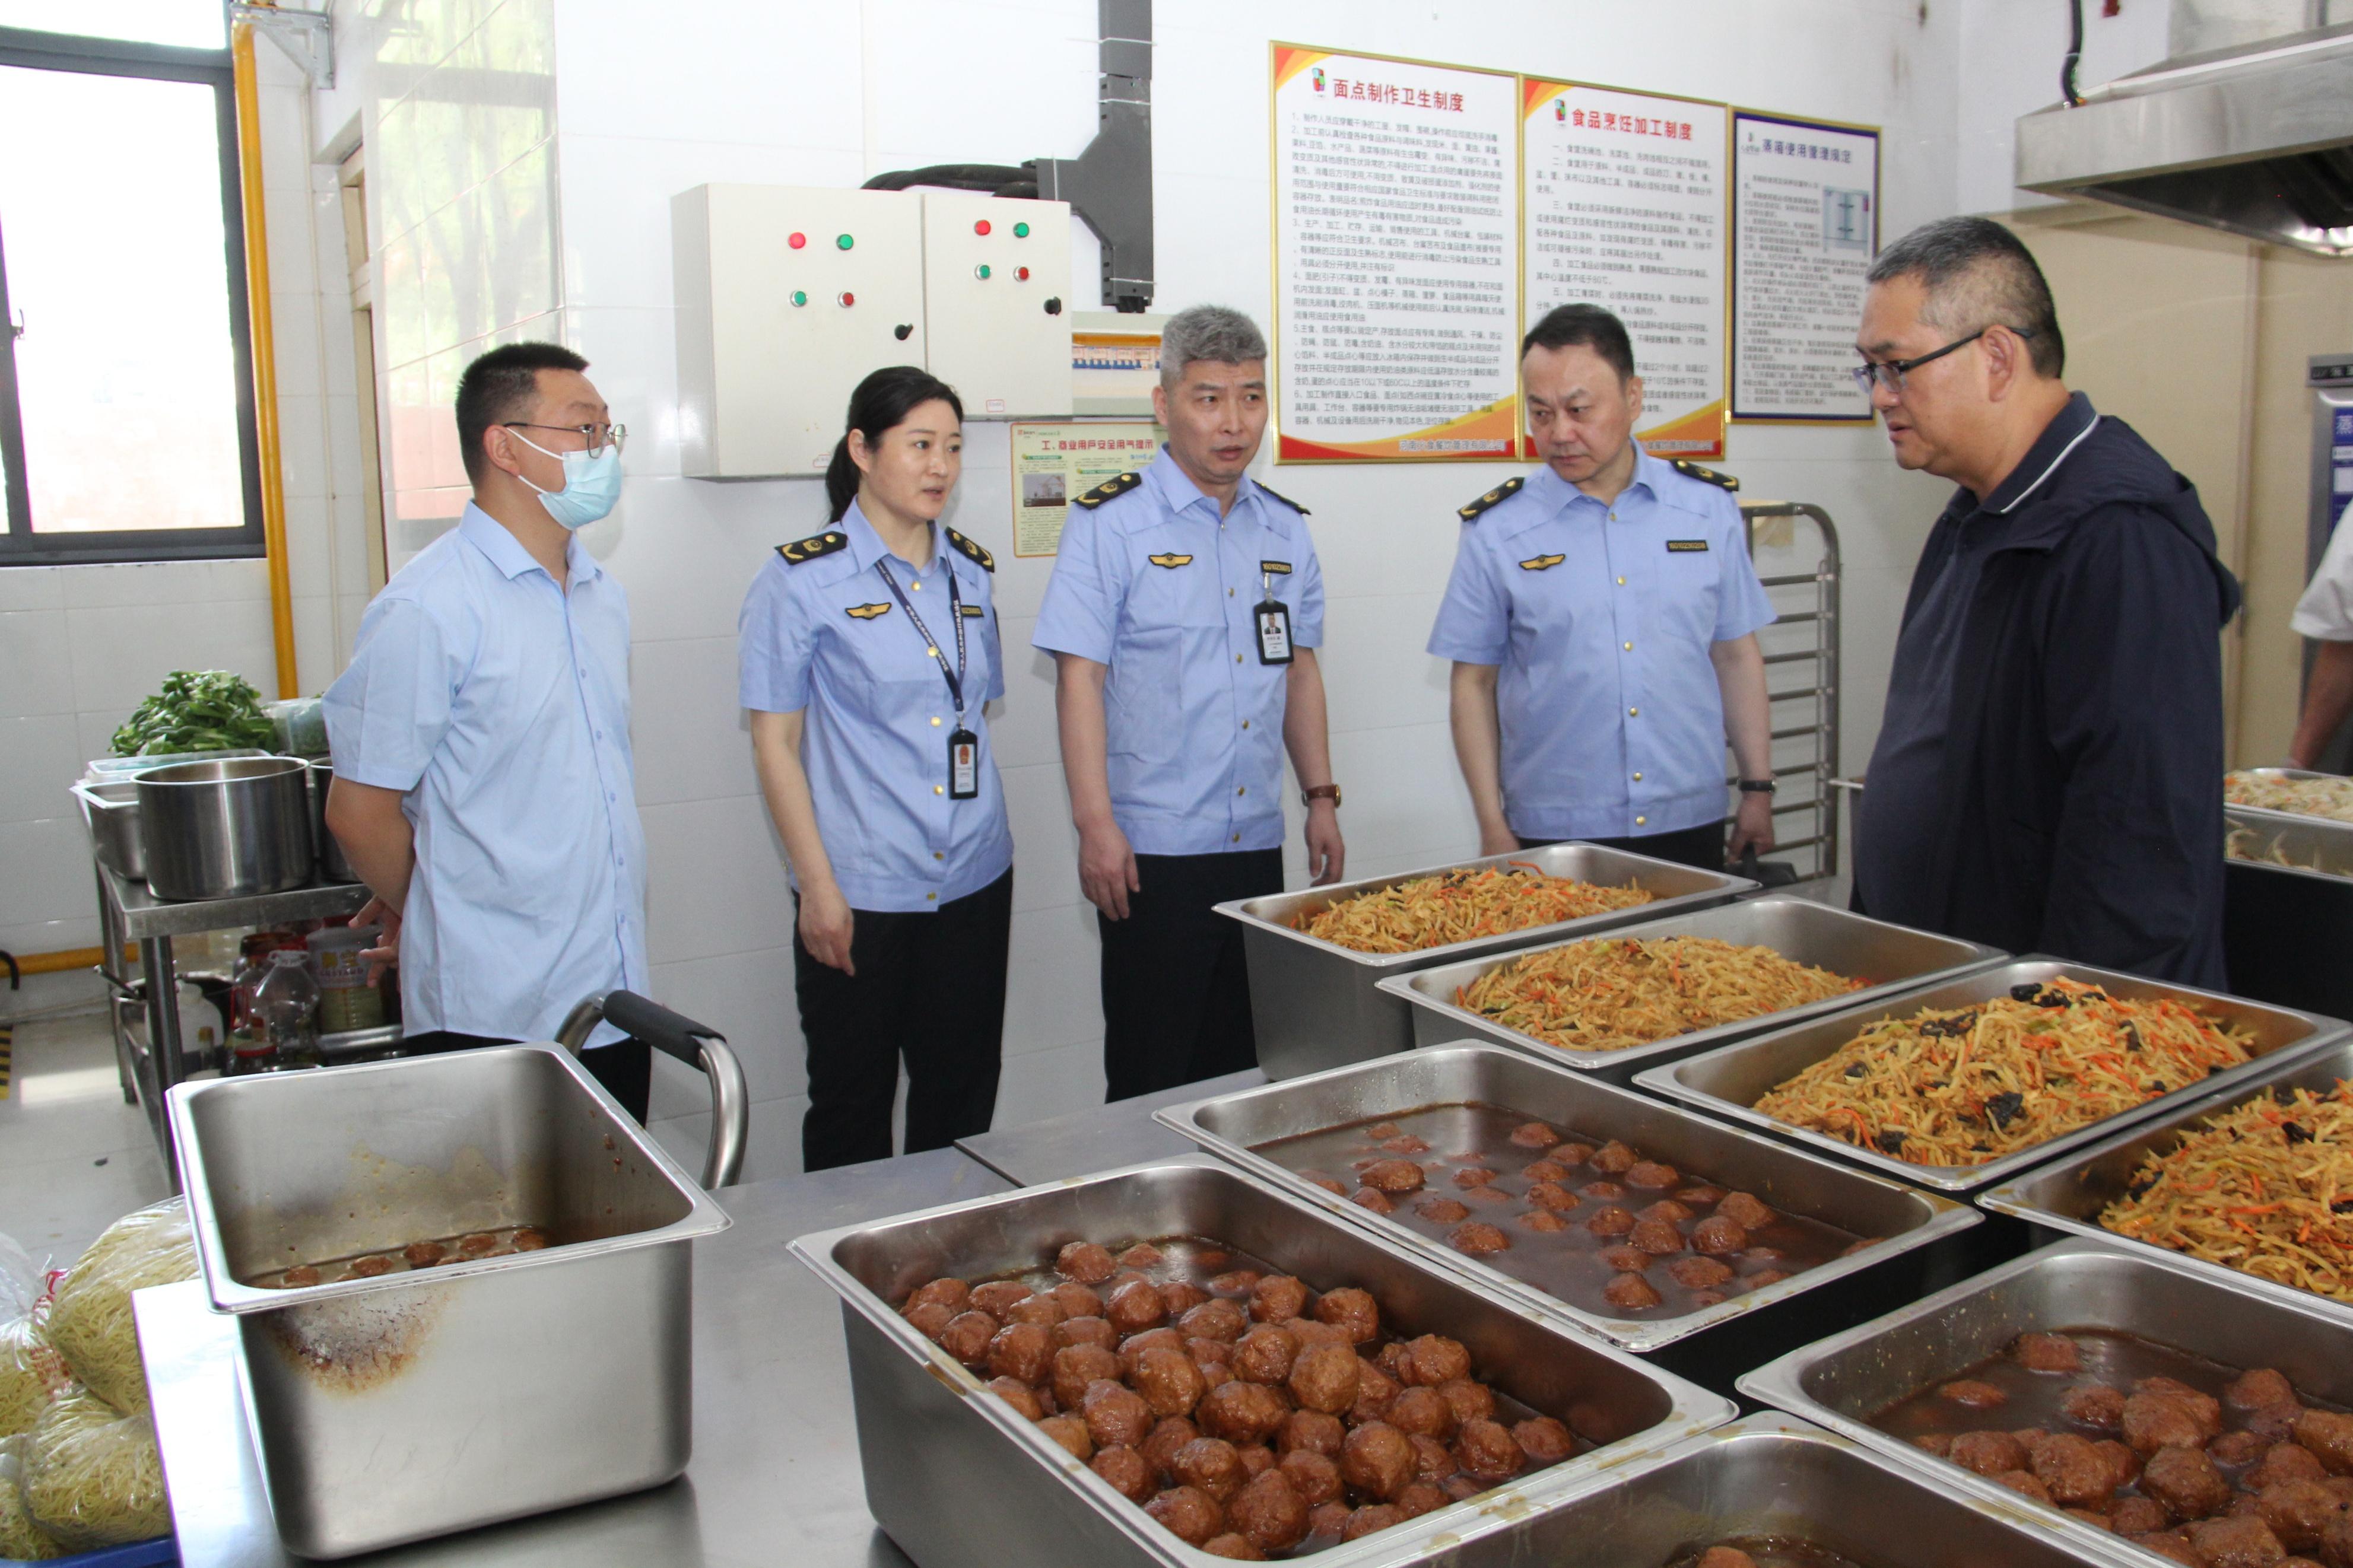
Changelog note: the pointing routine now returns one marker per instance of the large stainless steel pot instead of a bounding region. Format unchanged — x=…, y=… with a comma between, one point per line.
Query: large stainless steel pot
x=958, y=1480
x=1314, y=1005
x=396, y=1409
x=226, y=829
x=333, y=867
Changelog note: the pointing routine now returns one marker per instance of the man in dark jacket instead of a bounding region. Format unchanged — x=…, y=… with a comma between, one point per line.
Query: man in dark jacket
x=2049, y=773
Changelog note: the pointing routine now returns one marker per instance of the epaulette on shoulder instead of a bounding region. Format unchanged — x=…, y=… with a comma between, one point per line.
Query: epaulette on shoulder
x=1501, y=492
x=1286, y=500
x=979, y=557
x=1108, y=488
x=800, y=551
x=1691, y=470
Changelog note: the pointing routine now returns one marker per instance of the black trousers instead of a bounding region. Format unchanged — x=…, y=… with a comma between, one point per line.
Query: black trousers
x=1175, y=996
x=1702, y=847
x=626, y=1068
x=930, y=990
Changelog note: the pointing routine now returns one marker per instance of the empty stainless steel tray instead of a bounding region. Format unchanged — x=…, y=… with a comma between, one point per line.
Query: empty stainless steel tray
x=415, y=1403
x=2294, y=846
x=2068, y=1194
x=958, y=1480
x=1730, y=1079
x=1233, y=1127
x=1317, y=1005
x=1773, y=1475
x=1846, y=1379
x=1890, y=957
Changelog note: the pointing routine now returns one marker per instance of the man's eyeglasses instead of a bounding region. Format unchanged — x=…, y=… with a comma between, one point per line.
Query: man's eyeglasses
x=599, y=437
x=1890, y=374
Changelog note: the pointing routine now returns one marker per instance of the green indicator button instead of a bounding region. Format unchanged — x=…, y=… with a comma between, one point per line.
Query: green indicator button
x=843, y=242
x=800, y=296
x=981, y=271
x=1020, y=231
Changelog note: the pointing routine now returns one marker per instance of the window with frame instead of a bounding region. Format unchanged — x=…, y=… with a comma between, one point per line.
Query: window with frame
x=126, y=370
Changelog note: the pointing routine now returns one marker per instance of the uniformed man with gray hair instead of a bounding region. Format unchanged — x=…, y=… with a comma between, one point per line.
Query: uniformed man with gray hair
x=1183, y=616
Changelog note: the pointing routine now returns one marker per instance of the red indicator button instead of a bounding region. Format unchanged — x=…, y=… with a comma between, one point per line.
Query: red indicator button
x=848, y=300
x=980, y=227
x=797, y=241
x=1022, y=273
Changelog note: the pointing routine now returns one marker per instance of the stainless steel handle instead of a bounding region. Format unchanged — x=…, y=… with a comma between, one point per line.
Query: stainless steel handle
x=705, y=1050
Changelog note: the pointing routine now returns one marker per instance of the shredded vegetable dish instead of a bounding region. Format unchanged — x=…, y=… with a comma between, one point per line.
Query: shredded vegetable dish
x=2268, y=847
x=1607, y=994
x=2328, y=797
x=2265, y=1188
x=1965, y=1086
x=1459, y=906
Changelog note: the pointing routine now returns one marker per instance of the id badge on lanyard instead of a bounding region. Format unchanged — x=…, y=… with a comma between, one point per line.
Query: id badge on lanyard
x=963, y=746
x=1272, y=618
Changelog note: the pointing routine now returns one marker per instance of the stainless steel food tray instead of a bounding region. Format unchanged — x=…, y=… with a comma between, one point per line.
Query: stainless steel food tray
x=2305, y=846
x=393, y=1409
x=1730, y=1079
x=2069, y=1193
x=1844, y=1380
x=1315, y=1006
x=1890, y=956
x=958, y=1480
x=1773, y=1475
x=1233, y=1126
x=2292, y=775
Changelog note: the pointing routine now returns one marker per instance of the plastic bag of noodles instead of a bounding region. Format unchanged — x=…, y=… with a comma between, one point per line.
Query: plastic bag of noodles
x=90, y=1311
x=92, y=1477
x=20, y=1537
x=31, y=1371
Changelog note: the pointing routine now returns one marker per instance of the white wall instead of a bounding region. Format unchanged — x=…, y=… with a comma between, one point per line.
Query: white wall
x=2009, y=56
x=81, y=646
x=803, y=94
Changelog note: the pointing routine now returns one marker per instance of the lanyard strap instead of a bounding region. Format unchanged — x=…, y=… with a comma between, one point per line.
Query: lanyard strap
x=956, y=613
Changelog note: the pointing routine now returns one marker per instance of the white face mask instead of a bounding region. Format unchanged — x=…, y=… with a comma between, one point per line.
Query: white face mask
x=592, y=484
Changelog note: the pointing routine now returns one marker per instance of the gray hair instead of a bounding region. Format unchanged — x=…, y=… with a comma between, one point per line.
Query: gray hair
x=1977, y=274
x=1207, y=332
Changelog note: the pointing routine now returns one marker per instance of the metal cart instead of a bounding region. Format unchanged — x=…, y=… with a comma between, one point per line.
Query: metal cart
x=1801, y=672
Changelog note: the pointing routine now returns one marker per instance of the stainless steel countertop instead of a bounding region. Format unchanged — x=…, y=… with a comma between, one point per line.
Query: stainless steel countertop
x=775, y=1475
x=144, y=915
x=1100, y=1138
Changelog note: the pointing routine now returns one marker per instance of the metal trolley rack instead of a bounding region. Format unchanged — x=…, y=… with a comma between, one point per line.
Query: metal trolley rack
x=1803, y=642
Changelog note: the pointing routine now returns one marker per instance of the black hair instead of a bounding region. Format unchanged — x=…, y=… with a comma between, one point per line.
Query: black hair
x=1584, y=327
x=1977, y=274
x=501, y=385
x=880, y=406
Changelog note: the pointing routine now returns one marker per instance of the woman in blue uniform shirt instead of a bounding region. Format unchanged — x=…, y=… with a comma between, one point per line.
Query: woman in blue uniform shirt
x=870, y=652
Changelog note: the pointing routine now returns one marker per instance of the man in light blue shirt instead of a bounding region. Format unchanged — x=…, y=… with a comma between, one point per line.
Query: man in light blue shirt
x=1602, y=619
x=483, y=784
x=1183, y=616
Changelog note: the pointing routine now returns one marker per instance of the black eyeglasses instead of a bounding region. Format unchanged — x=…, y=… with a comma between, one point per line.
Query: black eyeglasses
x=599, y=437
x=1890, y=374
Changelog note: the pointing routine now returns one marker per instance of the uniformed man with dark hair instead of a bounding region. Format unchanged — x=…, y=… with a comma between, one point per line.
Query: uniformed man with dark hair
x=1183, y=616
x=1602, y=619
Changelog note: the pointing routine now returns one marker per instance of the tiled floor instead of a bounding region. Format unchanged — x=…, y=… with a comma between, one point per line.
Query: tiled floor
x=73, y=1157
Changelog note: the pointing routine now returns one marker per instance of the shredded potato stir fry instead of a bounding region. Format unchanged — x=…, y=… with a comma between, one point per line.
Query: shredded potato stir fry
x=1459, y=906
x=1607, y=994
x=2330, y=797
x=2268, y=847
x=1967, y=1086
x=2265, y=1188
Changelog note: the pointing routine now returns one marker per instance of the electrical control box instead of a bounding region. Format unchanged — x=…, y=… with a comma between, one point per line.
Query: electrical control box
x=787, y=297
x=996, y=302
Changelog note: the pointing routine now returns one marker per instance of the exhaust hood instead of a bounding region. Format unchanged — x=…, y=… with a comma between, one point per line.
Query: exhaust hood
x=2258, y=141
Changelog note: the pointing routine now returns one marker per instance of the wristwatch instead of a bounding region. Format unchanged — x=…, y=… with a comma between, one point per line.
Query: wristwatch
x=1330, y=791
x=1757, y=786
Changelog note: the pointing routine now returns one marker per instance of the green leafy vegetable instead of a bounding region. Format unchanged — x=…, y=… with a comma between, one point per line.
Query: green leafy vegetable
x=197, y=710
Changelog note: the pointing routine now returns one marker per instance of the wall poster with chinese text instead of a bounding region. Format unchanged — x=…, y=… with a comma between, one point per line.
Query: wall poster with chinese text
x=1396, y=260
x=1625, y=208
x=1054, y=465
x=1805, y=224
